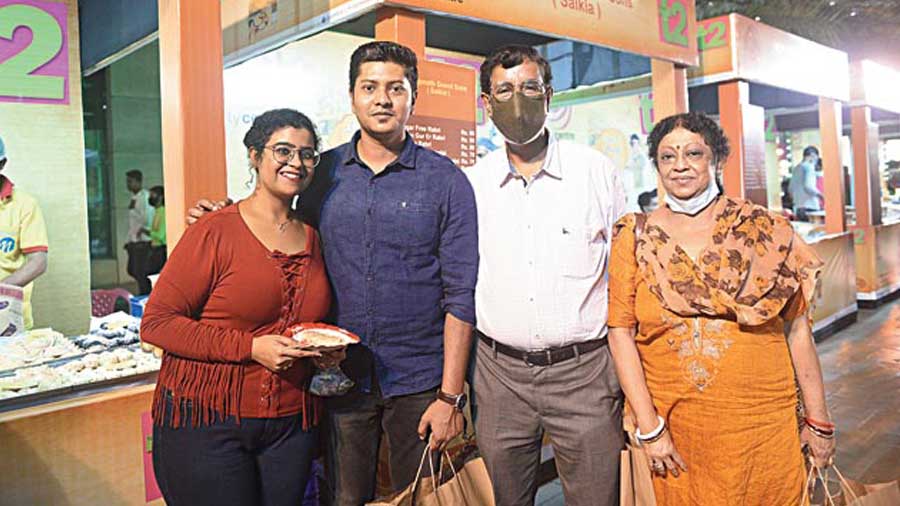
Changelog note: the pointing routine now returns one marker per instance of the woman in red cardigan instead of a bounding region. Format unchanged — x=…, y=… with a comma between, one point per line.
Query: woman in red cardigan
x=233, y=421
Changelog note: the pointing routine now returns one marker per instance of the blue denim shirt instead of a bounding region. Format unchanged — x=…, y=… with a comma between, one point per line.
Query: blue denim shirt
x=401, y=249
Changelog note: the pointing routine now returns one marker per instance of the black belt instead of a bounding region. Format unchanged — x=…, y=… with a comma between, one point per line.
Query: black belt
x=547, y=356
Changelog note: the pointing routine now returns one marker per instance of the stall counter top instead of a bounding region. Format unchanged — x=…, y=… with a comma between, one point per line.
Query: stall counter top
x=826, y=237
x=50, y=407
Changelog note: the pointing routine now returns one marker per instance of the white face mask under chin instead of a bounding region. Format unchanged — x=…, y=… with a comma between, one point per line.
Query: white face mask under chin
x=693, y=205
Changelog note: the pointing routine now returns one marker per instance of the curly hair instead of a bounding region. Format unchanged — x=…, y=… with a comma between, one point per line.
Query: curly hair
x=696, y=122
x=271, y=121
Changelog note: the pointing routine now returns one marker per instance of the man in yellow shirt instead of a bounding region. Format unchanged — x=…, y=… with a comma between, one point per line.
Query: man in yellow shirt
x=23, y=239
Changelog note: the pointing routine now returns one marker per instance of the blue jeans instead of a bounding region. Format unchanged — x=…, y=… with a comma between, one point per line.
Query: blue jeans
x=261, y=462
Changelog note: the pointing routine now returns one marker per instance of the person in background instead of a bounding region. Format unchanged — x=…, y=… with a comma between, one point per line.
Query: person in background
x=638, y=165
x=787, y=201
x=157, y=257
x=803, y=189
x=648, y=201
x=23, y=243
x=140, y=220
x=893, y=177
x=234, y=423
x=711, y=336
x=820, y=183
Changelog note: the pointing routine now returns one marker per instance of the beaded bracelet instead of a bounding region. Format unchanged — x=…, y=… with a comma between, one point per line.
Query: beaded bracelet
x=654, y=434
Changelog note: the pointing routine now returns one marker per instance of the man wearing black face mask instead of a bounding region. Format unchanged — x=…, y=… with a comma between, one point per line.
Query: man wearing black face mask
x=545, y=211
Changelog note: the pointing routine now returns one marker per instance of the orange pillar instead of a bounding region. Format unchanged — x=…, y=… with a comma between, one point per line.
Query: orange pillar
x=830, y=129
x=744, y=174
x=866, y=176
x=192, y=100
x=670, y=95
x=403, y=27
x=733, y=95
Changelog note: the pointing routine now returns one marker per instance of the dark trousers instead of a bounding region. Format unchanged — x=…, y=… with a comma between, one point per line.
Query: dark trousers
x=156, y=259
x=138, y=256
x=261, y=462
x=355, y=424
x=802, y=213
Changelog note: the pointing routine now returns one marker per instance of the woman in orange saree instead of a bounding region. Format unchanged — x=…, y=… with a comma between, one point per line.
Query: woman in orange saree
x=711, y=336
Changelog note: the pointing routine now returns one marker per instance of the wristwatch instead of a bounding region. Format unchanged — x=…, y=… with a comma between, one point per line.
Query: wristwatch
x=458, y=401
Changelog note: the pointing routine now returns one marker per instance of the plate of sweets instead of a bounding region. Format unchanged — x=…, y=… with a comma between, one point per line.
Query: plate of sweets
x=321, y=336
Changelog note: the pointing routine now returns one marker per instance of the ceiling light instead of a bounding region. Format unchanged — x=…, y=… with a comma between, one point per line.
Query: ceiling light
x=852, y=13
x=831, y=3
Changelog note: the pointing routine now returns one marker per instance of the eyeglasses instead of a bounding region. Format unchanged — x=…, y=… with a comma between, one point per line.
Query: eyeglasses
x=531, y=89
x=309, y=157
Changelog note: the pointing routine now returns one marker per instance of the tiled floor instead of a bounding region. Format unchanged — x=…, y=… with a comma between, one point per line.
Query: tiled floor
x=861, y=366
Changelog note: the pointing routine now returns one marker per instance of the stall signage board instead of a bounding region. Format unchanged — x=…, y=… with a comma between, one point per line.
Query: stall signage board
x=34, y=52
x=715, y=45
x=875, y=85
x=444, y=115
x=664, y=29
x=737, y=47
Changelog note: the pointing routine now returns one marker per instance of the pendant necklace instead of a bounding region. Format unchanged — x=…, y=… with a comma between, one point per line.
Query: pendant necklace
x=283, y=225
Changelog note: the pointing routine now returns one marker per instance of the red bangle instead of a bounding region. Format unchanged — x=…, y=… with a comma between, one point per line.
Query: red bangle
x=818, y=424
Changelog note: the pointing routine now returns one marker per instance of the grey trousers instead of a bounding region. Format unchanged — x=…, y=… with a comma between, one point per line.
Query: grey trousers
x=578, y=403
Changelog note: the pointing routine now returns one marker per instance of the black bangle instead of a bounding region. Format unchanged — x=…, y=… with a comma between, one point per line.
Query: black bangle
x=821, y=433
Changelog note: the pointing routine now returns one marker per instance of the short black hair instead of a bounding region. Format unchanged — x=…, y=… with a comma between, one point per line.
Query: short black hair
x=510, y=56
x=696, y=122
x=385, y=51
x=645, y=198
x=158, y=189
x=810, y=150
x=271, y=121
x=634, y=137
x=136, y=175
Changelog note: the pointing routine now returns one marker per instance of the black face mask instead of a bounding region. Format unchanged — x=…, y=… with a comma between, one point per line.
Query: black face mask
x=520, y=119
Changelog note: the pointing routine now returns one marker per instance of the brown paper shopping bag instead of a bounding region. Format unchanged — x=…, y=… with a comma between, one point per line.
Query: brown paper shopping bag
x=635, y=481
x=468, y=486
x=636, y=485
x=850, y=492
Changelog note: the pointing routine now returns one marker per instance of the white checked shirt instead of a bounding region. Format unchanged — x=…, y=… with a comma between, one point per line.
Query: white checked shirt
x=543, y=246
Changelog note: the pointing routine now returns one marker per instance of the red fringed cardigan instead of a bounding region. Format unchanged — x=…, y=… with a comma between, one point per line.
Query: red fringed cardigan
x=219, y=289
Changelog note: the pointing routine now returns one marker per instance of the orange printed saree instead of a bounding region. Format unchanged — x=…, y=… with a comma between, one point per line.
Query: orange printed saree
x=710, y=335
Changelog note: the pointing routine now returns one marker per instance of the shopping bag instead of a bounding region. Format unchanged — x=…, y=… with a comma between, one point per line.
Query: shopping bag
x=12, y=320
x=636, y=483
x=466, y=486
x=635, y=478
x=850, y=492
